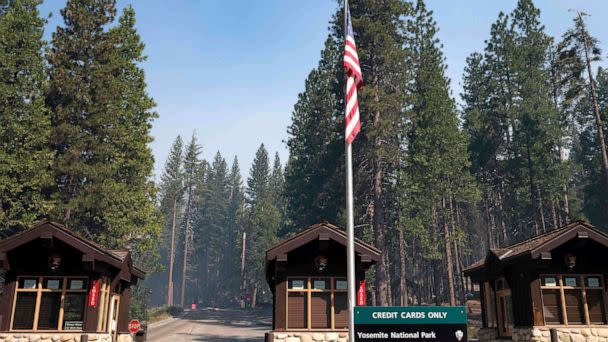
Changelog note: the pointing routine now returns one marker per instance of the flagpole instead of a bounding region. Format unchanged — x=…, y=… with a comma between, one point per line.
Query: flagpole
x=350, y=222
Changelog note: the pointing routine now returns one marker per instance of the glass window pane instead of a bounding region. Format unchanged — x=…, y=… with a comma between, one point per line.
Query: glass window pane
x=549, y=281
x=73, y=306
x=571, y=281
x=24, y=310
x=574, y=306
x=77, y=284
x=320, y=307
x=341, y=284
x=319, y=284
x=552, y=306
x=52, y=284
x=297, y=284
x=593, y=282
x=297, y=314
x=48, y=316
x=28, y=283
x=341, y=310
x=595, y=305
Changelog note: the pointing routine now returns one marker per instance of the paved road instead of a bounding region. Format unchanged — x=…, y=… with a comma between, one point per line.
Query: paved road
x=213, y=326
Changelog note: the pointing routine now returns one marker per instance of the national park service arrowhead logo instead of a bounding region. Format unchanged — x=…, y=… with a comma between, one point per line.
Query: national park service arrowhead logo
x=459, y=334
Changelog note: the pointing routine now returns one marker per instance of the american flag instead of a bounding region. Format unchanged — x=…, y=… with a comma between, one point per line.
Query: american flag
x=354, y=81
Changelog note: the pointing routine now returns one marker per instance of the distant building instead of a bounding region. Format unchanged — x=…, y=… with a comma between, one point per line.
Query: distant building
x=307, y=276
x=60, y=287
x=548, y=288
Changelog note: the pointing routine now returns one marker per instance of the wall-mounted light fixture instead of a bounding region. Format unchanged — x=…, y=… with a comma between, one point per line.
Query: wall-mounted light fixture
x=321, y=263
x=54, y=261
x=570, y=261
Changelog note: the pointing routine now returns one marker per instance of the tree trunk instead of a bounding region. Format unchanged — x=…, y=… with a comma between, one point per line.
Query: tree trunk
x=562, y=157
x=254, y=297
x=243, y=279
x=378, y=218
x=172, y=254
x=503, y=226
x=186, y=247
x=554, y=214
x=402, y=280
x=532, y=188
x=448, y=255
x=541, y=209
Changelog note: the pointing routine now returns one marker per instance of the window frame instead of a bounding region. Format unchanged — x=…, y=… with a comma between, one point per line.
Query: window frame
x=582, y=286
x=308, y=290
x=39, y=290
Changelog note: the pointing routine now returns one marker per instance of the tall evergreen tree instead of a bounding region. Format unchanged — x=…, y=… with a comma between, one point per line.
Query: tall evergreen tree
x=215, y=226
x=101, y=118
x=24, y=119
x=436, y=178
x=313, y=175
x=264, y=221
x=192, y=176
x=578, y=50
x=171, y=203
x=379, y=28
x=234, y=227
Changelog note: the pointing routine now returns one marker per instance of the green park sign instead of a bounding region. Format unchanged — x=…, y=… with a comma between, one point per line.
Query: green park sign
x=412, y=323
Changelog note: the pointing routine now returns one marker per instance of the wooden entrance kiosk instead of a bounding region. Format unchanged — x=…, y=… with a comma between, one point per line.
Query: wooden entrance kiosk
x=307, y=276
x=552, y=284
x=59, y=286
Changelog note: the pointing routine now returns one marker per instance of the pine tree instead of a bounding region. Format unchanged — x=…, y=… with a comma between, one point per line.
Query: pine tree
x=264, y=220
x=25, y=158
x=379, y=32
x=101, y=117
x=236, y=201
x=436, y=176
x=171, y=202
x=192, y=169
x=314, y=189
x=578, y=51
x=214, y=213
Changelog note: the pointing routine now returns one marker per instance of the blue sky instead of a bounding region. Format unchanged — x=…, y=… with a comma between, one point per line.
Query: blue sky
x=231, y=70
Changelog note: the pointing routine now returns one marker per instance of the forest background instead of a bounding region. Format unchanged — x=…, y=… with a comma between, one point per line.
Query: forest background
x=437, y=181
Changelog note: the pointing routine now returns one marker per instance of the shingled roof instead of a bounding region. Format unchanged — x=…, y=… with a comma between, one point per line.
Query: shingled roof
x=322, y=230
x=121, y=259
x=537, y=245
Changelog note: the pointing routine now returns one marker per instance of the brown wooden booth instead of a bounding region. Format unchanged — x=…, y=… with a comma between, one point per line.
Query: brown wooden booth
x=555, y=281
x=307, y=276
x=55, y=281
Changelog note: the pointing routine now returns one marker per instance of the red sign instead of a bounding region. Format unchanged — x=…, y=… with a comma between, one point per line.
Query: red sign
x=134, y=326
x=94, y=293
x=361, y=295
x=193, y=306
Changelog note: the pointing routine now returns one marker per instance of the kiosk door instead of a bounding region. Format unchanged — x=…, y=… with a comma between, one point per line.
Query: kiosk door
x=114, y=316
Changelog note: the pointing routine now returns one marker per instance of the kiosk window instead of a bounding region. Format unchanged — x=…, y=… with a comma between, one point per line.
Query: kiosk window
x=38, y=303
x=573, y=299
x=25, y=307
x=310, y=302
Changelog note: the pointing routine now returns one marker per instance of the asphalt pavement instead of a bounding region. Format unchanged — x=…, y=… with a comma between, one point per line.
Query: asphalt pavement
x=213, y=325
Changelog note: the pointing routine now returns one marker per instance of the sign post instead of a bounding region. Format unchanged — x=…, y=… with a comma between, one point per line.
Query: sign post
x=412, y=323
